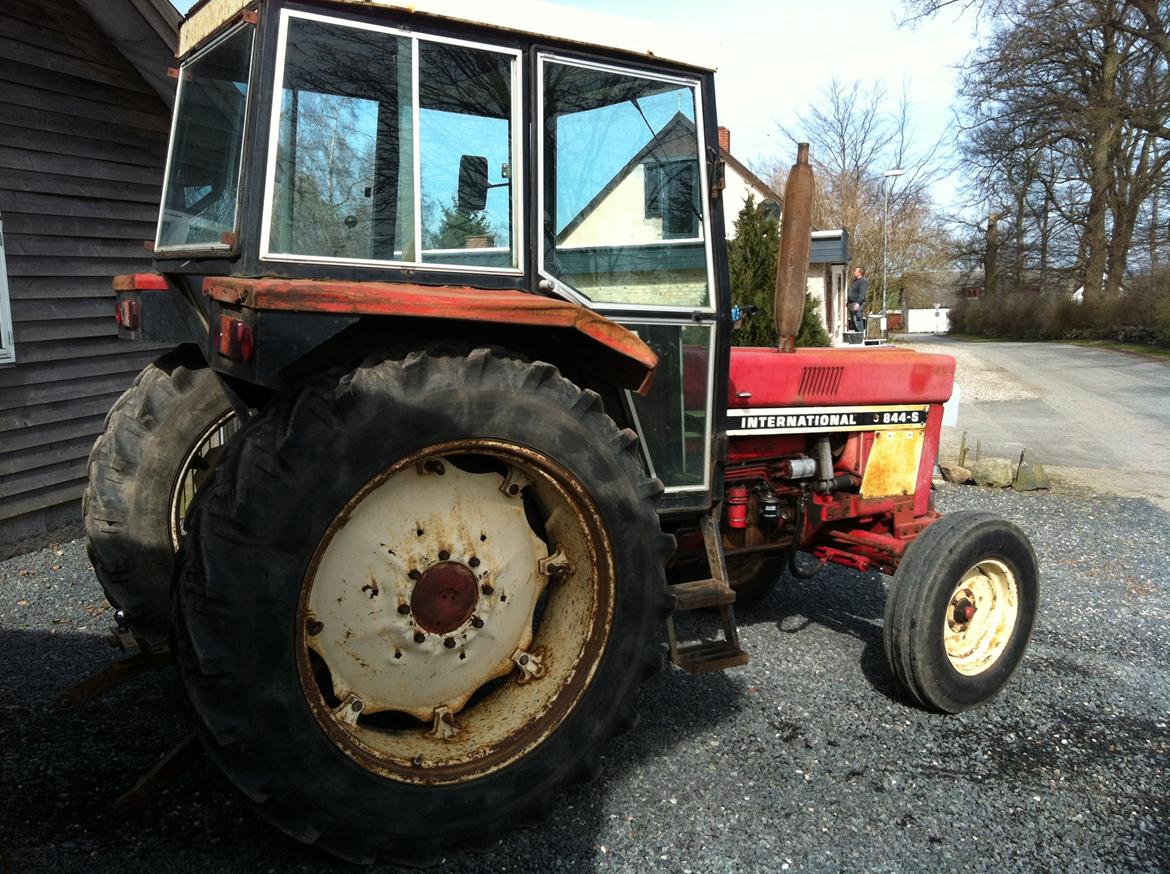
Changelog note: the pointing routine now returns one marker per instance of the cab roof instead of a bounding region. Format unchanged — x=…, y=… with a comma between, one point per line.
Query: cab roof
x=581, y=27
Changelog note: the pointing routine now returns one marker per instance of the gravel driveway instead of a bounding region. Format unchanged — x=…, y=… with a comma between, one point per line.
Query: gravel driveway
x=803, y=760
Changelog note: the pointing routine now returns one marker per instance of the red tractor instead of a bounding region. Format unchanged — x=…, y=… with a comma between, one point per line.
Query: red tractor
x=454, y=424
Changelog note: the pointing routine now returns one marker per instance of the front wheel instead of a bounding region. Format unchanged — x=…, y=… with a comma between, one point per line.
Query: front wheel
x=417, y=599
x=960, y=610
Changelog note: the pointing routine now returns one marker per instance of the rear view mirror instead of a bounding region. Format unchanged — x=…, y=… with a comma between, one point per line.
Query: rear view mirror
x=473, y=183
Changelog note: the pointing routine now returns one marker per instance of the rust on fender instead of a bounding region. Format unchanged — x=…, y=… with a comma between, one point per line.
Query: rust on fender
x=459, y=303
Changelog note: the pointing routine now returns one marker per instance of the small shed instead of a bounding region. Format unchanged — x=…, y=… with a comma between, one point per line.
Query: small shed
x=85, y=104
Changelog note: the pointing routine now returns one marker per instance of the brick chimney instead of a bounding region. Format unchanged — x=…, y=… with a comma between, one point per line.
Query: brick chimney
x=725, y=139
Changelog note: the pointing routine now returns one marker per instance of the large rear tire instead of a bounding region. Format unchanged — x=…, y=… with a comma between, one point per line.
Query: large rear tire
x=416, y=600
x=960, y=610
x=159, y=443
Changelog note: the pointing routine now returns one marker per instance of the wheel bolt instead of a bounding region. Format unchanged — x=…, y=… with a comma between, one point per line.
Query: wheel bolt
x=473, y=561
x=419, y=637
x=414, y=574
x=486, y=589
x=449, y=643
x=444, y=555
x=403, y=608
x=476, y=622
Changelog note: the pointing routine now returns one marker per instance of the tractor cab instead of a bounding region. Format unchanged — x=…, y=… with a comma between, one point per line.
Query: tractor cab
x=375, y=142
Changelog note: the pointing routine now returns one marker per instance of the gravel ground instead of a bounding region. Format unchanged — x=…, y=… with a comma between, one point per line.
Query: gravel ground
x=803, y=760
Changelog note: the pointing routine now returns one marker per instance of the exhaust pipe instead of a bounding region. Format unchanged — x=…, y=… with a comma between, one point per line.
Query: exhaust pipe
x=795, y=242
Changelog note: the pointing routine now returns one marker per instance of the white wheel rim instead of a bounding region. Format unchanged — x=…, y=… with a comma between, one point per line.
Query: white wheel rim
x=200, y=461
x=419, y=652
x=980, y=617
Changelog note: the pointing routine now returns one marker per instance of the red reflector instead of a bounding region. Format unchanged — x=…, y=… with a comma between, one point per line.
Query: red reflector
x=127, y=313
x=235, y=340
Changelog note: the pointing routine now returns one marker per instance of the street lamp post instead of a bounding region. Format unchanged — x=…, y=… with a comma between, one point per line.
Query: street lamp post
x=889, y=174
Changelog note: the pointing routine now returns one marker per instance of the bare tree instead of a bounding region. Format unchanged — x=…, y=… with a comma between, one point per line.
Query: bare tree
x=1066, y=106
x=857, y=132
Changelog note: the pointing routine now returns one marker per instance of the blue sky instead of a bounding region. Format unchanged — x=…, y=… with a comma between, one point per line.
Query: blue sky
x=776, y=57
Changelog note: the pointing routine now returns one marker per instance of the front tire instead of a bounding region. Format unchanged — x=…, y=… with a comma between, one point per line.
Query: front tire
x=416, y=600
x=960, y=610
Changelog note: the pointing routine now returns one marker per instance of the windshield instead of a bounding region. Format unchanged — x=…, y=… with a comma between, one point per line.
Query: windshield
x=199, y=200
x=623, y=204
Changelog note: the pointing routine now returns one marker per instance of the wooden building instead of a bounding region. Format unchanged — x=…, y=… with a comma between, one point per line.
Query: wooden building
x=85, y=104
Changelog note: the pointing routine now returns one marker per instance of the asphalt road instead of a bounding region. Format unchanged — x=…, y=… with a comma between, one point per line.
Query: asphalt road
x=804, y=760
x=1104, y=415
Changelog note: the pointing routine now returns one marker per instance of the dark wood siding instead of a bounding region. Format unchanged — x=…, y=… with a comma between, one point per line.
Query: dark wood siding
x=82, y=148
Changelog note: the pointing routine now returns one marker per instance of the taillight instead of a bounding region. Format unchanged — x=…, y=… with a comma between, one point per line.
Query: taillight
x=127, y=313
x=236, y=340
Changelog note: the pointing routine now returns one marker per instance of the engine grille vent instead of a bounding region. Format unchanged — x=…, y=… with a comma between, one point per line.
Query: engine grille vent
x=820, y=380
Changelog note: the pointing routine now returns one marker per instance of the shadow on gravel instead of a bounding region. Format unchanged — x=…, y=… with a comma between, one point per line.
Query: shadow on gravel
x=59, y=773
x=844, y=602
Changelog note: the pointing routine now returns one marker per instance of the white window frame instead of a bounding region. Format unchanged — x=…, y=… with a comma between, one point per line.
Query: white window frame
x=517, y=168
x=564, y=289
x=203, y=247
x=7, y=339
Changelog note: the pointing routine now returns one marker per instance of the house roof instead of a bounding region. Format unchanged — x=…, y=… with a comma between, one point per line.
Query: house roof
x=536, y=17
x=742, y=169
x=146, y=32
x=678, y=122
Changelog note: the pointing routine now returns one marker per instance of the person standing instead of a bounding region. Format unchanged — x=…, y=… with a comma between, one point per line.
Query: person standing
x=858, y=292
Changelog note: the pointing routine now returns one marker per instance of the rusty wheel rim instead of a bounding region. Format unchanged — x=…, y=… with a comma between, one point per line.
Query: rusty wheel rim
x=455, y=612
x=199, y=463
x=980, y=617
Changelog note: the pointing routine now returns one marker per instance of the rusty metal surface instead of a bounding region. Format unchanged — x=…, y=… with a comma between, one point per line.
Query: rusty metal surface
x=140, y=282
x=114, y=674
x=892, y=466
x=410, y=300
x=172, y=766
x=795, y=244
x=549, y=668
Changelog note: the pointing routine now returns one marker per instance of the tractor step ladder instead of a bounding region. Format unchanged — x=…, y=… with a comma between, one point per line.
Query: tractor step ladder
x=714, y=655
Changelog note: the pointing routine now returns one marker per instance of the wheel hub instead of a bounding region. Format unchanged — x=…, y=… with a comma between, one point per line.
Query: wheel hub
x=444, y=597
x=980, y=617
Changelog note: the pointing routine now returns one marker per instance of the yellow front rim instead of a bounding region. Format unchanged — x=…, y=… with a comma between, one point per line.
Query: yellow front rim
x=980, y=617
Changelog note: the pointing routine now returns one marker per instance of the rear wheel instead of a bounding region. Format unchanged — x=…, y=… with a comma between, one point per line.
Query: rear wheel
x=160, y=442
x=419, y=644
x=960, y=610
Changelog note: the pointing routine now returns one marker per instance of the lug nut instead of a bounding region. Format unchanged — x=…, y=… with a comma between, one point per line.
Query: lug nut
x=414, y=574
x=476, y=622
x=404, y=608
x=473, y=561
x=486, y=589
x=314, y=627
x=419, y=637
x=449, y=643
x=444, y=555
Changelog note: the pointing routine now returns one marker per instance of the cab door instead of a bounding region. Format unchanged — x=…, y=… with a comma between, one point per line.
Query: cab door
x=626, y=229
